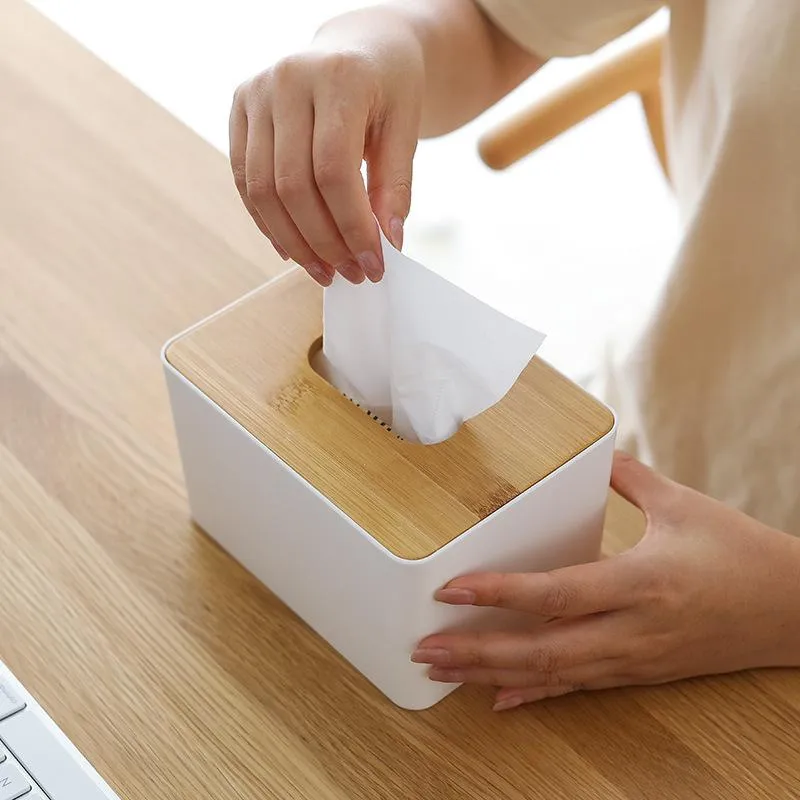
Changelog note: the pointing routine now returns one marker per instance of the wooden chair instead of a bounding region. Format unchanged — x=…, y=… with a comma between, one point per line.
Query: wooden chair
x=636, y=69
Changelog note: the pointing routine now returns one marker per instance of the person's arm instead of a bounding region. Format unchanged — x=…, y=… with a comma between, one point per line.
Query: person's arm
x=468, y=63
x=371, y=83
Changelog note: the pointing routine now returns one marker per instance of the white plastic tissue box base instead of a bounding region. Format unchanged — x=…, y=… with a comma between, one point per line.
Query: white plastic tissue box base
x=419, y=352
x=358, y=553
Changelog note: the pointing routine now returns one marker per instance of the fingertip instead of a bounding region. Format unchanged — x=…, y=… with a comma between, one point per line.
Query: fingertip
x=456, y=596
x=430, y=655
x=446, y=675
x=507, y=702
x=624, y=459
x=371, y=265
x=631, y=465
x=428, y=643
x=396, y=232
x=391, y=226
x=322, y=274
x=351, y=272
x=638, y=483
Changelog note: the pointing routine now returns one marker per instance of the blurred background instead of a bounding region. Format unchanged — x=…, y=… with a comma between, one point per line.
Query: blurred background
x=575, y=240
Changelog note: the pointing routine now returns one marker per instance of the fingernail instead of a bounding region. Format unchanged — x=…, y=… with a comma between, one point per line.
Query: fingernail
x=319, y=274
x=369, y=262
x=507, y=704
x=430, y=655
x=396, y=232
x=446, y=675
x=351, y=271
x=456, y=597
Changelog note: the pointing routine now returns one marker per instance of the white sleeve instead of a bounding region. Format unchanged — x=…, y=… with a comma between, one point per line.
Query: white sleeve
x=553, y=28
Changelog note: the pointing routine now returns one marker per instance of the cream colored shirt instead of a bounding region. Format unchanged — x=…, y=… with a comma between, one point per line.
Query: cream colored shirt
x=710, y=392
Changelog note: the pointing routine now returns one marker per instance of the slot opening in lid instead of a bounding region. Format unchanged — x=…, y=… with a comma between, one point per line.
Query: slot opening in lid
x=320, y=364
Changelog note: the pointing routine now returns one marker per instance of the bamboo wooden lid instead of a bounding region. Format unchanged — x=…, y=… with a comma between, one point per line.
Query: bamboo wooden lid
x=252, y=360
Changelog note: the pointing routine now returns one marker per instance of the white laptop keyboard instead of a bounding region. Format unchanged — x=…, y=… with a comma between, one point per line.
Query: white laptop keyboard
x=37, y=762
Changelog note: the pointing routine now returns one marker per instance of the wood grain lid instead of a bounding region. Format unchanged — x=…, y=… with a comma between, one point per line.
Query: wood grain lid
x=252, y=360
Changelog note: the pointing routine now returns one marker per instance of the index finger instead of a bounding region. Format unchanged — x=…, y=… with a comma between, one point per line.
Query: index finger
x=337, y=154
x=568, y=592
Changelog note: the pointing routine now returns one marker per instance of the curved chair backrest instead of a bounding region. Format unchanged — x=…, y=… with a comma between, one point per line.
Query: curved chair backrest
x=636, y=69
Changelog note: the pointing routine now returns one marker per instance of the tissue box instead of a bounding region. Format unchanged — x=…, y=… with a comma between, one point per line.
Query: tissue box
x=354, y=528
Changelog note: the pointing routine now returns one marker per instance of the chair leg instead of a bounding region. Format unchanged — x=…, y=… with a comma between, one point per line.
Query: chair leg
x=652, y=103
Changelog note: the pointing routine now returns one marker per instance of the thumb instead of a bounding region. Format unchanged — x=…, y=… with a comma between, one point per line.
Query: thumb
x=649, y=491
x=389, y=166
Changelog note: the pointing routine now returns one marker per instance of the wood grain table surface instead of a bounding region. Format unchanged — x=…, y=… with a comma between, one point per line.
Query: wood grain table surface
x=173, y=670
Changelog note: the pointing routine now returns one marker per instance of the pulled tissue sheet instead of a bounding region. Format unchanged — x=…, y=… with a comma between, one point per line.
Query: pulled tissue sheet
x=419, y=352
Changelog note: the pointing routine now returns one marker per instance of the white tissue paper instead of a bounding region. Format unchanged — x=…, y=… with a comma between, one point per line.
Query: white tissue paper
x=417, y=351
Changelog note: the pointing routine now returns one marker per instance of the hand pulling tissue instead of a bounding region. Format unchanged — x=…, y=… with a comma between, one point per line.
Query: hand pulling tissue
x=419, y=352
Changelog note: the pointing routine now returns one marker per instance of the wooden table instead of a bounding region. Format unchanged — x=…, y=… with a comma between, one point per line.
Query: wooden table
x=171, y=668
